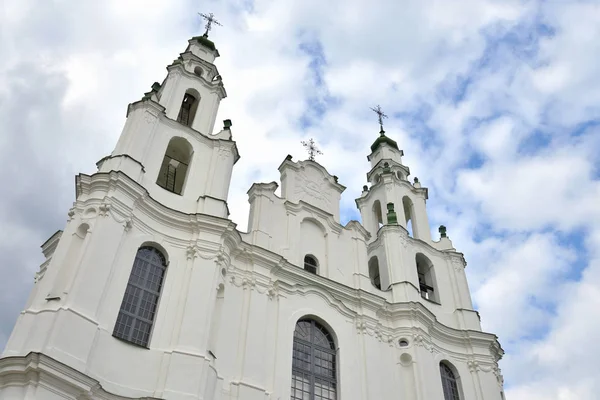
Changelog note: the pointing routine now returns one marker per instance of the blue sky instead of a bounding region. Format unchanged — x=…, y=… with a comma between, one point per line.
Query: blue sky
x=496, y=104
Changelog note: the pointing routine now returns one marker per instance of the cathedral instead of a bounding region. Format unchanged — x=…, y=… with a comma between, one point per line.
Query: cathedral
x=151, y=292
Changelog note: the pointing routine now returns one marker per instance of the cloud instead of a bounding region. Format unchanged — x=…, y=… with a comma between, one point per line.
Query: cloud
x=493, y=102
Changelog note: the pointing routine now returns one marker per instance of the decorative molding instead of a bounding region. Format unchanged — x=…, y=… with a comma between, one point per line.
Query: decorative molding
x=458, y=264
x=314, y=190
x=40, y=370
x=473, y=365
x=403, y=238
x=104, y=209
x=150, y=117
x=223, y=153
x=422, y=341
x=128, y=224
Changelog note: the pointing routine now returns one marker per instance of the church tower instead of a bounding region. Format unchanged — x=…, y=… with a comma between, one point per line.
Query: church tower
x=150, y=291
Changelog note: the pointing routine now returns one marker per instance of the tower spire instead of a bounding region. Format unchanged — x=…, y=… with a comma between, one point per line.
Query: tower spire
x=210, y=19
x=381, y=116
x=311, y=148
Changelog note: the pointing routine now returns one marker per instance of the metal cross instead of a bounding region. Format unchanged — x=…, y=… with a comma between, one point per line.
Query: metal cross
x=381, y=116
x=210, y=19
x=312, y=149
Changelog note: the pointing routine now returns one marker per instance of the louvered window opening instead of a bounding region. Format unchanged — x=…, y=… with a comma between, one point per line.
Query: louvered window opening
x=313, y=363
x=140, y=301
x=426, y=290
x=449, y=383
x=186, y=106
x=168, y=180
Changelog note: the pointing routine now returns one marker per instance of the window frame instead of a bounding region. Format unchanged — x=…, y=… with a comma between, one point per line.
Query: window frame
x=314, y=264
x=450, y=382
x=139, y=288
x=310, y=372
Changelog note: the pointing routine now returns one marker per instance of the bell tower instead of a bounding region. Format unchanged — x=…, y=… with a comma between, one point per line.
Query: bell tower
x=167, y=143
x=128, y=300
x=400, y=254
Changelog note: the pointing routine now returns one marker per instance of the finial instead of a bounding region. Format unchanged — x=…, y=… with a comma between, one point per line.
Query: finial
x=311, y=148
x=210, y=19
x=416, y=180
x=365, y=188
x=391, y=214
x=227, y=124
x=442, y=230
x=380, y=117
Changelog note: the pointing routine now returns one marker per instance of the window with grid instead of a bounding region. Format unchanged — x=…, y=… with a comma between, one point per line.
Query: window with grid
x=310, y=264
x=449, y=383
x=313, y=363
x=138, y=308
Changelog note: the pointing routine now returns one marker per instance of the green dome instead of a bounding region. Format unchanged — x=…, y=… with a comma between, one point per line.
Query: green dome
x=383, y=139
x=205, y=41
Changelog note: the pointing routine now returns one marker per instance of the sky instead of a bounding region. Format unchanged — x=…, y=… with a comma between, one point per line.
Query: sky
x=496, y=104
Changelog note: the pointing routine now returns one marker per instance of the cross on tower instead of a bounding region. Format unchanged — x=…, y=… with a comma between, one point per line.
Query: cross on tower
x=311, y=148
x=380, y=115
x=210, y=19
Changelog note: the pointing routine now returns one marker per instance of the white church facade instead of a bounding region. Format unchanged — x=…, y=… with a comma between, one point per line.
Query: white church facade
x=150, y=291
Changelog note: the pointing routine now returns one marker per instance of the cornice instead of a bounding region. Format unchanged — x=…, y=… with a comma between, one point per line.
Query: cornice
x=40, y=369
x=213, y=87
x=288, y=279
x=367, y=195
x=393, y=165
x=277, y=277
x=118, y=181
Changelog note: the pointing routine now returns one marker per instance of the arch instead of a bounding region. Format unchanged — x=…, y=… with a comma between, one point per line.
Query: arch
x=426, y=275
x=175, y=165
x=314, y=361
x=409, y=214
x=377, y=216
x=140, y=301
x=450, y=381
x=189, y=106
x=374, y=273
x=311, y=264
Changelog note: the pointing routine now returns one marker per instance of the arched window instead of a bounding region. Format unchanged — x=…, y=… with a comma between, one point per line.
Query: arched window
x=374, y=272
x=408, y=215
x=310, y=264
x=377, y=215
x=175, y=165
x=314, y=373
x=189, y=105
x=138, y=308
x=449, y=383
x=426, y=274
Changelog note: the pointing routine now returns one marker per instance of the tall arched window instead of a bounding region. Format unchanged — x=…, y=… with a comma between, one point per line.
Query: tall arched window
x=374, y=272
x=310, y=264
x=138, y=308
x=174, y=167
x=189, y=105
x=313, y=362
x=449, y=382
